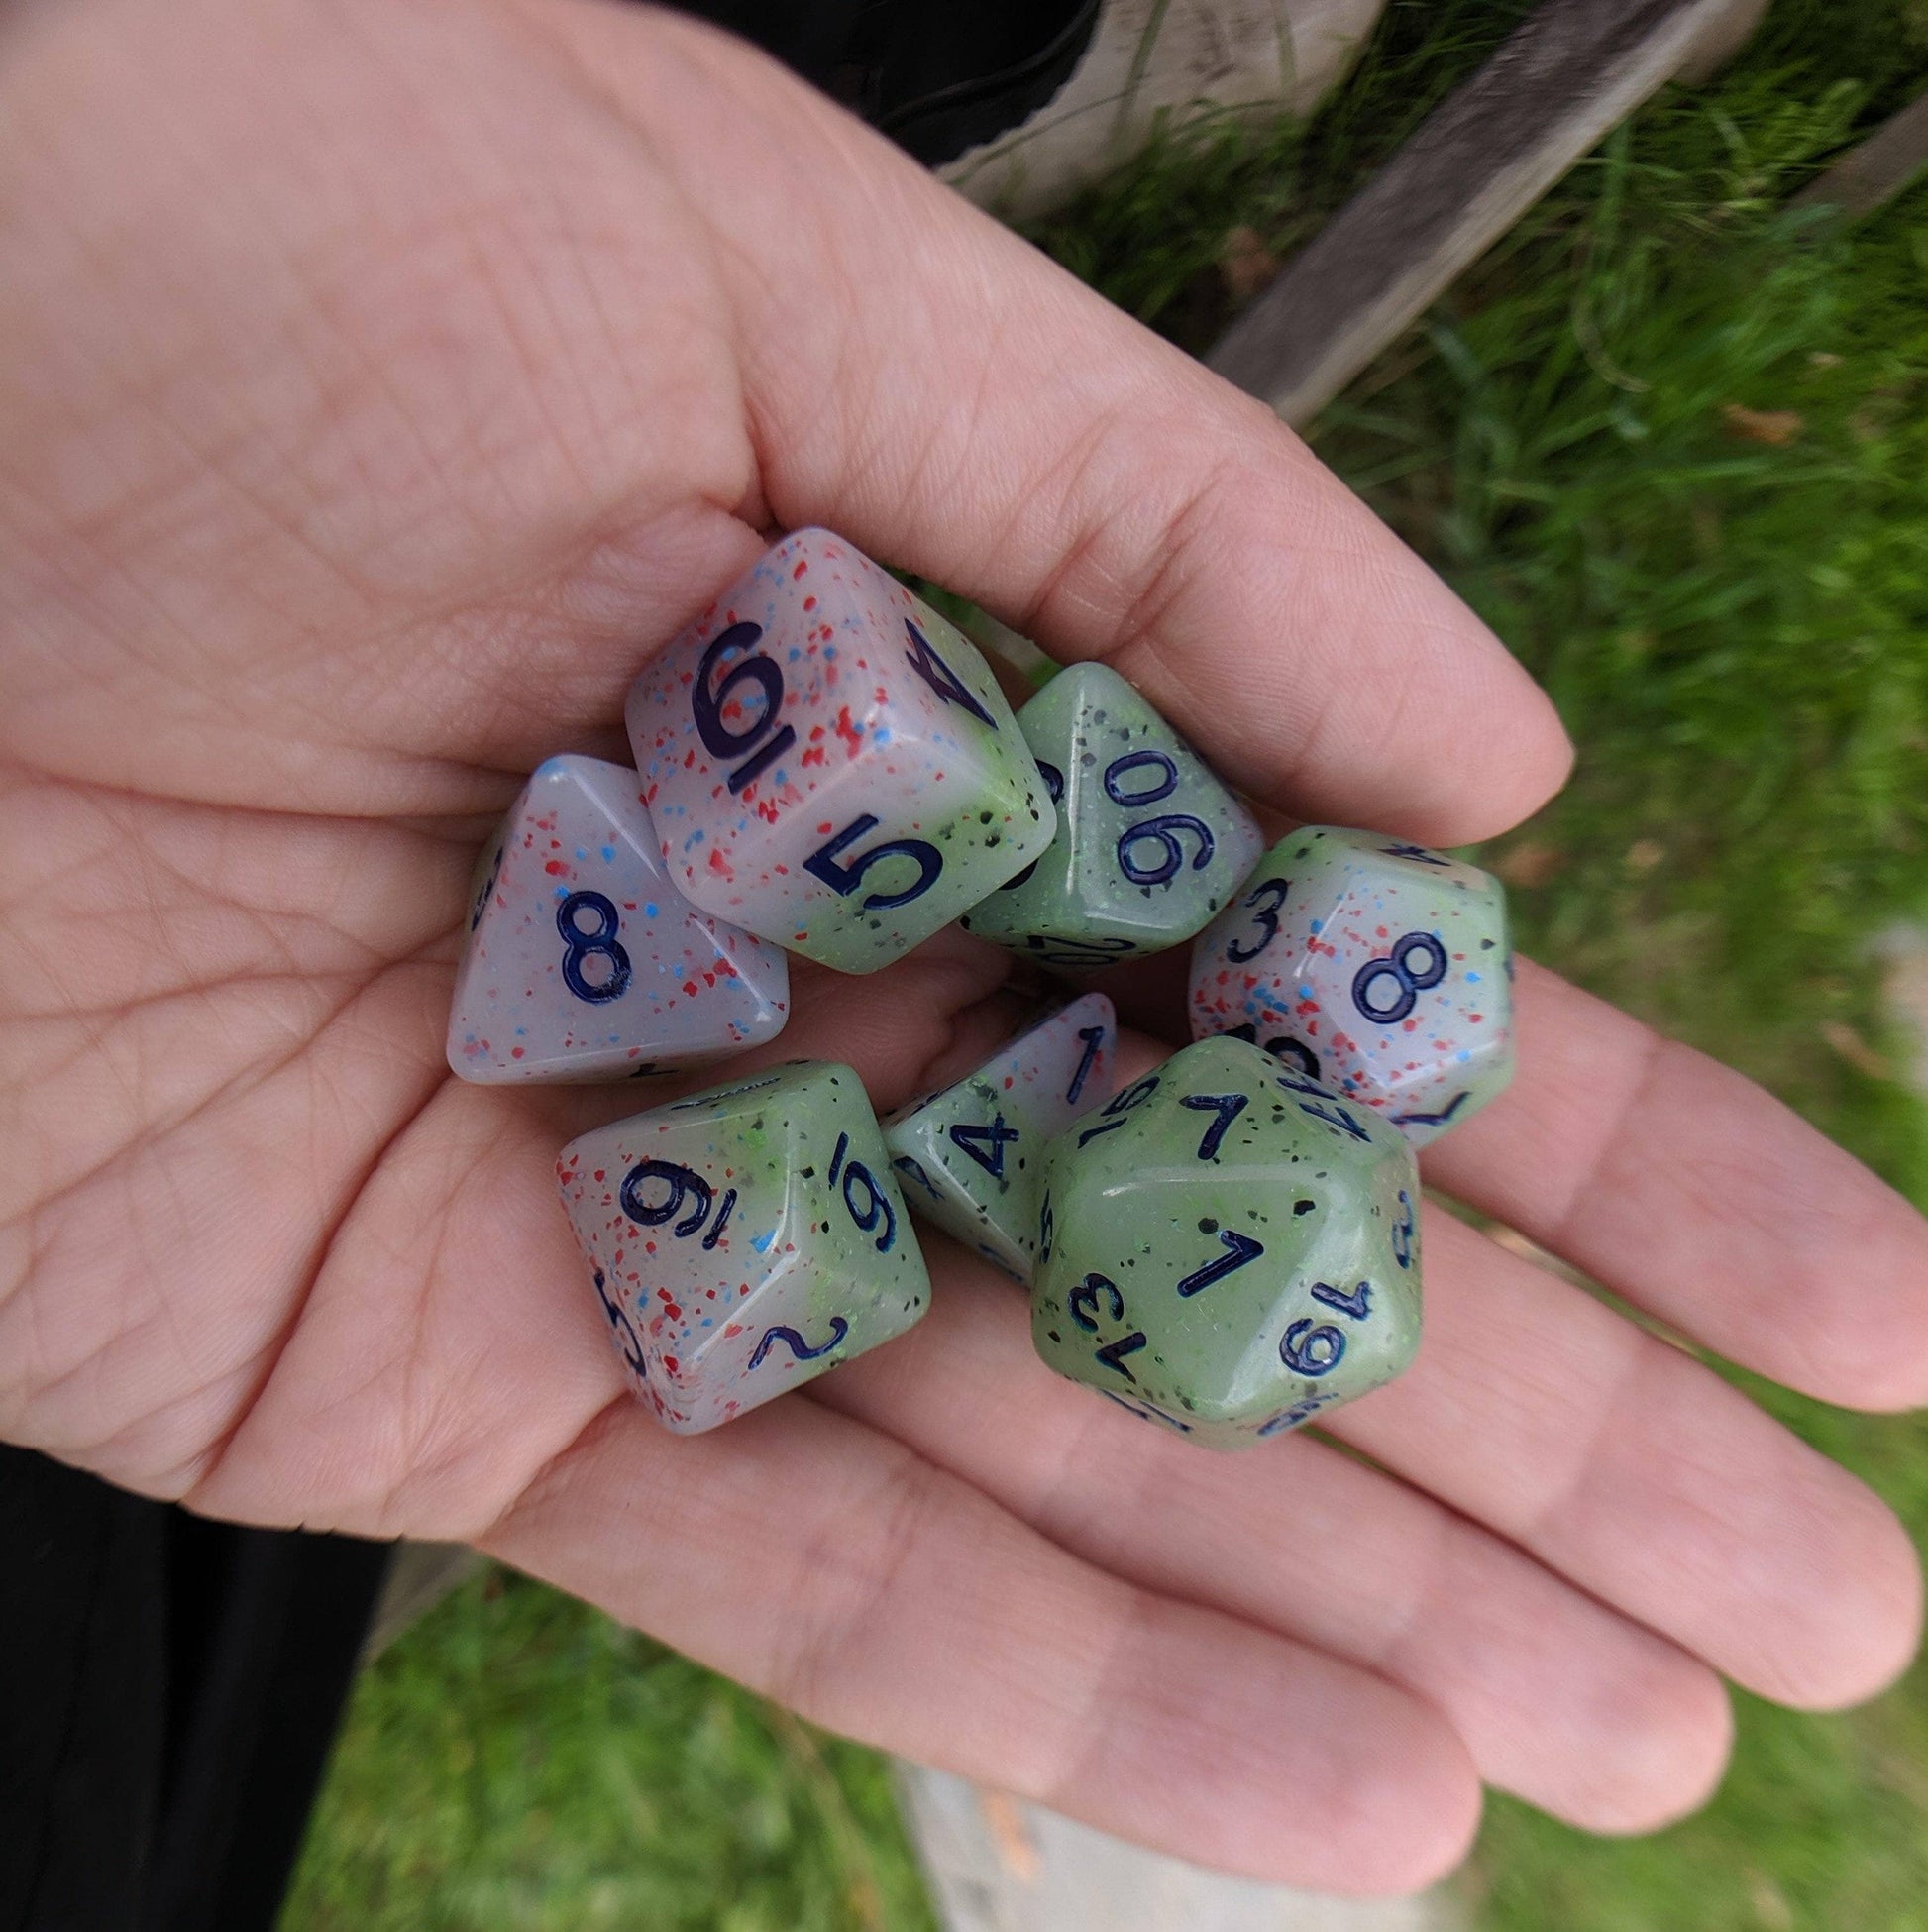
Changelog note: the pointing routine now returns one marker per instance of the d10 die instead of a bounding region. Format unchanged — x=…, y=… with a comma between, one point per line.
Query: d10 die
x=1149, y=844
x=972, y=1156
x=1228, y=1248
x=1377, y=967
x=583, y=962
x=744, y=1240
x=830, y=764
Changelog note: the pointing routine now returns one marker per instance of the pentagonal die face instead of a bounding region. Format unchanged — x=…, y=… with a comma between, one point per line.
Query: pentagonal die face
x=583, y=962
x=744, y=1240
x=972, y=1156
x=830, y=764
x=1228, y=1248
x=1149, y=846
x=1380, y=968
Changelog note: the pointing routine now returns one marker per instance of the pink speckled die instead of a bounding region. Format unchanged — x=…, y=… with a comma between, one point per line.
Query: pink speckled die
x=744, y=1240
x=583, y=962
x=1376, y=966
x=830, y=764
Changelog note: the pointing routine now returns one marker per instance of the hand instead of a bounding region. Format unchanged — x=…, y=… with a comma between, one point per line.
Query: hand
x=377, y=382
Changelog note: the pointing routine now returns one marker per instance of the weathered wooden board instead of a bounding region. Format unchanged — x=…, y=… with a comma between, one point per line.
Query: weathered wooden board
x=1874, y=174
x=1570, y=74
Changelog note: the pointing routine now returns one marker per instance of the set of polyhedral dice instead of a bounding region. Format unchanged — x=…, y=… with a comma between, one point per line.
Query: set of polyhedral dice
x=1227, y=1244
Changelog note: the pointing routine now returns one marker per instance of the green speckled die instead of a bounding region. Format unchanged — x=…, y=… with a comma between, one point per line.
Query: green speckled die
x=744, y=1240
x=1149, y=844
x=971, y=1157
x=1228, y=1248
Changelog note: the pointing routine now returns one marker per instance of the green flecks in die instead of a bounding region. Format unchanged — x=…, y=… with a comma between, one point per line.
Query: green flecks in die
x=1228, y=1248
x=1149, y=845
x=971, y=1157
x=744, y=1239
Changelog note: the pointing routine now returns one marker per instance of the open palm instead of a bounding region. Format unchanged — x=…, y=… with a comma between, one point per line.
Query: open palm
x=378, y=384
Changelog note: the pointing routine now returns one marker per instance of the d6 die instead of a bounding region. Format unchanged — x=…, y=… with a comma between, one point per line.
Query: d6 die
x=744, y=1240
x=970, y=1155
x=830, y=764
x=1377, y=967
x=1228, y=1248
x=1149, y=844
x=583, y=962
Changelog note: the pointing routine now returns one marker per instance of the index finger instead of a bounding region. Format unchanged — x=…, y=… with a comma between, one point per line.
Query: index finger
x=925, y=383
x=1679, y=1184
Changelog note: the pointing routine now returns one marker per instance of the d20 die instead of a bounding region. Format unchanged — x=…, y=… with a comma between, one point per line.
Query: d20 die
x=1377, y=967
x=830, y=764
x=972, y=1156
x=744, y=1240
x=1149, y=844
x=583, y=962
x=1228, y=1248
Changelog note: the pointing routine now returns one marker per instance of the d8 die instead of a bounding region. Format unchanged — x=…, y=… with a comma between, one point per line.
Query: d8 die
x=583, y=962
x=744, y=1240
x=1228, y=1248
x=970, y=1155
x=1149, y=844
x=830, y=764
x=1377, y=967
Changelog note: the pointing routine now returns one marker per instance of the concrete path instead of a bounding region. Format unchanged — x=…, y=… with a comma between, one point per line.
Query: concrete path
x=997, y=1865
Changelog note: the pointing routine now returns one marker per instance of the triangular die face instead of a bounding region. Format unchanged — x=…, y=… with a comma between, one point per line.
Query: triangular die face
x=583, y=962
x=970, y=1157
x=1230, y=1244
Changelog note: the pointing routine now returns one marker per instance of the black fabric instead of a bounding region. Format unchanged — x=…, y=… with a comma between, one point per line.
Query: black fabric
x=938, y=76
x=169, y=1692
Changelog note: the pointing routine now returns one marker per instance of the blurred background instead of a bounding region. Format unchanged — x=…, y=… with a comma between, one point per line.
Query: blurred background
x=1671, y=437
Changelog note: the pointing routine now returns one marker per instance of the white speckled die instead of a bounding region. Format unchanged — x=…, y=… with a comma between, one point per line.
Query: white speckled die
x=583, y=962
x=1380, y=968
x=970, y=1155
x=830, y=764
x=744, y=1240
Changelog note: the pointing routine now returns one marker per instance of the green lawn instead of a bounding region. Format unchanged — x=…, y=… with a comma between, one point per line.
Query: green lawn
x=1673, y=445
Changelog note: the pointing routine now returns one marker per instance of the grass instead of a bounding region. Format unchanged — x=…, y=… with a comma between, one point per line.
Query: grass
x=1673, y=445
x=522, y=1763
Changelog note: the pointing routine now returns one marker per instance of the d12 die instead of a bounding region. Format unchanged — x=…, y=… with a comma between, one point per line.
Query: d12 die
x=1149, y=844
x=830, y=764
x=1377, y=967
x=1228, y=1248
x=583, y=962
x=972, y=1156
x=744, y=1240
